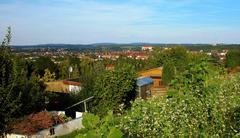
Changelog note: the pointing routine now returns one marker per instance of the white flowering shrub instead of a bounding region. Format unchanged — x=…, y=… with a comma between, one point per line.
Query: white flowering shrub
x=216, y=113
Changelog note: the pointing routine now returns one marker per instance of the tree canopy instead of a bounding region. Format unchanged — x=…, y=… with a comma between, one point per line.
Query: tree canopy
x=233, y=58
x=9, y=100
x=113, y=88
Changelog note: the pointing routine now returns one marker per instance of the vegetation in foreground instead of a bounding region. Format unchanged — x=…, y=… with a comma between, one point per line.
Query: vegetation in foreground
x=202, y=100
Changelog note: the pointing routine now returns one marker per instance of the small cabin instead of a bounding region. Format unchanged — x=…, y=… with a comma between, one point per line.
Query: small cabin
x=144, y=85
x=155, y=74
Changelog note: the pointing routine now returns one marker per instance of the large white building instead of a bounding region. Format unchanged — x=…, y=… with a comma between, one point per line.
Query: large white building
x=150, y=48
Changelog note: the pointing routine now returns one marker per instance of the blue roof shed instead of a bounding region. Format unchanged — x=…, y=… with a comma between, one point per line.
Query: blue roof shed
x=144, y=81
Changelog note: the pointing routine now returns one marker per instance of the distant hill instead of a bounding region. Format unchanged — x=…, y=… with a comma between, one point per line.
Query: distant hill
x=120, y=46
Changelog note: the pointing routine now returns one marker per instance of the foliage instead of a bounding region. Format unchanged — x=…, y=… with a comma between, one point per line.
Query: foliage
x=48, y=76
x=70, y=135
x=76, y=72
x=233, y=58
x=21, y=91
x=195, y=77
x=86, y=66
x=32, y=90
x=9, y=100
x=35, y=122
x=24, y=68
x=205, y=107
x=43, y=63
x=32, y=97
x=156, y=58
x=88, y=70
x=96, y=128
x=178, y=55
x=168, y=72
x=113, y=88
x=138, y=64
x=63, y=69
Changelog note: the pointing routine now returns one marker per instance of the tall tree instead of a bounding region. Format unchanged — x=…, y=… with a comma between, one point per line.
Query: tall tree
x=48, y=76
x=113, y=88
x=9, y=99
x=233, y=59
x=75, y=73
x=43, y=63
x=179, y=56
x=168, y=72
x=63, y=69
x=156, y=59
x=32, y=95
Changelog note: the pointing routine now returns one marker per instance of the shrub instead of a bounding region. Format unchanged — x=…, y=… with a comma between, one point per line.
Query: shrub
x=215, y=113
x=96, y=128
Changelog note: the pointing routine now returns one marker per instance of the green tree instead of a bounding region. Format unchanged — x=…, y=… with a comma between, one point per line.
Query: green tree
x=86, y=66
x=113, y=88
x=9, y=100
x=89, y=71
x=64, y=69
x=207, y=105
x=43, y=63
x=194, y=78
x=32, y=90
x=168, y=72
x=233, y=58
x=48, y=76
x=179, y=56
x=75, y=73
x=94, y=127
x=24, y=67
x=156, y=58
x=33, y=95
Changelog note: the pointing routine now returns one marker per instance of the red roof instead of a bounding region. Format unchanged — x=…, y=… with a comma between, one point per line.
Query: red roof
x=147, y=46
x=71, y=83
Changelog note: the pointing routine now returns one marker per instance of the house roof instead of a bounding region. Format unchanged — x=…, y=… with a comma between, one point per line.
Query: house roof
x=57, y=86
x=144, y=81
x=71, y=83
x=155, y=72
x=61, y=86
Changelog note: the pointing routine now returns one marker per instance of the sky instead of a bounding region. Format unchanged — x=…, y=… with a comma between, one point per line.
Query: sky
x=120, y=21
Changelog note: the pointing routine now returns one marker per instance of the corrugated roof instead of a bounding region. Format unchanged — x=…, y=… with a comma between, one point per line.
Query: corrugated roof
x=144, y=81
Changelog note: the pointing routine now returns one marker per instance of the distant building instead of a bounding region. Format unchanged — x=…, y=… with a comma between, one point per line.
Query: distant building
x=150, y=48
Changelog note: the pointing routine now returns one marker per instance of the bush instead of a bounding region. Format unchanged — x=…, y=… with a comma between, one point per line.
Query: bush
x=213, y=114
x=114, y=88
x=96, y=128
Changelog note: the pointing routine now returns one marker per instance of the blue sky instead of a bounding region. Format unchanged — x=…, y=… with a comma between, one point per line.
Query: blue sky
x=121, y=21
